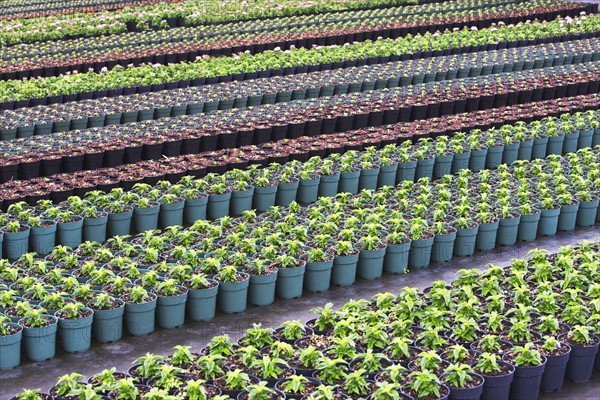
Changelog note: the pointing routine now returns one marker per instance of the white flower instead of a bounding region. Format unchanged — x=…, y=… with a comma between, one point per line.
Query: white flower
x=104, y=69
x=473, y=28
x=277, y=48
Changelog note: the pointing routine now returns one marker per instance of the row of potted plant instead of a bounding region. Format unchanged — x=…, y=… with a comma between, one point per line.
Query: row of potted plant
x=148, y=77
x=166, y=14
x=60, y=186
x=332, y=242
x=123, y=109
x=225, y=39
x=13, y=10
x=79, y=219
x=85, y=47
x=231, y=128
x=500, y=333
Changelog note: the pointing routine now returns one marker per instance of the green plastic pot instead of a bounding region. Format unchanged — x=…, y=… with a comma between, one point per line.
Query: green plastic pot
x=420, y=252
x=486, y=236
x=108, y=324
x=464, y=244
x=40, y=343
x=424, y=168
x=585, y=139
x=568, y=217
x=286, y=193
x=477, y=160
x=43, y=239
x=406, y=171
x=349, y=182
x=539, y=147
x=96, y=122
x=171, y=214
x=328, y=186
x=555, y=145
x=75, y=334
x=596, y=137
x=24, y=132
x=16, y=243
x=396, y=257
x=290, y=282
x=508, y=230
x=317, y=276
x=170, y=310
x=146, y=219
x=570, y=144
x=1, y=243
x=8, y=134
x=195, y=210
x=443, y=246
x=528, y=226
x=139, y=318
x=110, y=119
x=70, y=233
x=460, y=161
x=218, y=205
x=494, y=157
x=94, y=229
x=264, y=197
x=241, y=200
x=308, y=190
x=525, y=150
x=368, y=179
x=586, y=215
x=387, y=175
x=442, y=166
x=511, y=153
x=370, y=264
x=343, y=272
x=119, y=224
x=261, y=290
x=233, y=296
x=10, y=348
x=202, y=303
x=548, y=223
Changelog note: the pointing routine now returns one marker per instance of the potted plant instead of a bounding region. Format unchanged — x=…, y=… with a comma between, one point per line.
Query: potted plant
x=422, y=239
x=202, y=297
x=233, y=290
x=425, y=384
x=557, y=355
x=370, y=258
x=120, y=215
x=529, y=367
x=396, y=254
x=319, y=263
x=171, y=303
x=443, y=242
x=140, y=306
x=39, y=335
x=463, y=382
x=265, y=191
x=233, y=382
x=70, y=229
x=108, y=311
x=94, y=224
x=584, y=346
x=145, y=214
x=16, y=239
x=10, y=343
x=171, y=210
x=290, y=278
x=263, y=279
x=75, y=327
x=219, y=198
x=498, y=376
x=43, y=234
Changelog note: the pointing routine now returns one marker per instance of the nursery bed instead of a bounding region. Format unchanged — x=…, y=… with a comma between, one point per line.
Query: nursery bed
x=197, y=334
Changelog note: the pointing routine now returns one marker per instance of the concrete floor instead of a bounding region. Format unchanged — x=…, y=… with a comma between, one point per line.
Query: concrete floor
x=120, y=355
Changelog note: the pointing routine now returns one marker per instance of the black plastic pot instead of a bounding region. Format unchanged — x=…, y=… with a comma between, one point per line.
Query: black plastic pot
x=498, y=387
x=526, y=382
x=554, y=374
x=581, y=360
